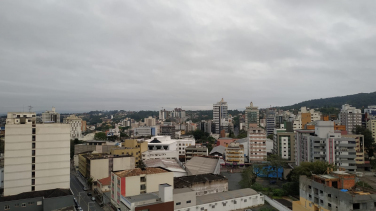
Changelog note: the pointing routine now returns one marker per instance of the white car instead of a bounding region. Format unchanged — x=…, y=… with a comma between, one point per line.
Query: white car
x=93, y=198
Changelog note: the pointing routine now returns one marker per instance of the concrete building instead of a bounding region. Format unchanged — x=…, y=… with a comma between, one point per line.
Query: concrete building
x=83, y=126
x=100, y=165
x=166, y=130
x=270, y=121
x=160, y=154
x=220, y=116
x=43, y=200
x=252, y=116
x=371, y=125
x=137, y=181
x=325, y=144
x=156, y=143
x=184, y=199
x=359, y=139
x=131, y=147
x=370, y=111
x=218, y=151
x=284, y=144
x=235, y=154
x=224, y=141
x=195, y=150
x=150, y=121
x=172, y=165
x=202, y=165
x=333, y=191
x=163, y=114
x=245, y=143
x=37, y=156
x=203, y=184
x=104, y=185
x=178, y=113
x=351, y=117
x=157, y=201
x=257, y=144
x=75, y=124
x=51, y=116
x=144, y=131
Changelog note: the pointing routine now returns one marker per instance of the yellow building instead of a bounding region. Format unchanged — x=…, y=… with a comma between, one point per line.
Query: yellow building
x=371, y=125
x=235, y=153
x=131, y=147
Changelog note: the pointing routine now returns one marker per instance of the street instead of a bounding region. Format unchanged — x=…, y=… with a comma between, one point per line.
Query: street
x=82, y=198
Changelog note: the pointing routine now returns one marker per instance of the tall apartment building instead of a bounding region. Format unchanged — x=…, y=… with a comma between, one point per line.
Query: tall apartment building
x=131, y=147
x=37, y=156
x=257, y=144
x=252, y=116
x=284, y=144
x=178, y=113
x=371, y=125
x=359, y=139
x=325, y=144
x=150, y=121
x=75, y=123
x=220, y=116
x=350, y=117
x=51, y=116
x=336, y=190
x=163, y=114
x=235, y=153
x=304, y=117
x=167, y=130
x=270, y=122
x=370, y=111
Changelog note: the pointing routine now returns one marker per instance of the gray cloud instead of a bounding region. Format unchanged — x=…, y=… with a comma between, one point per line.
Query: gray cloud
x=140, y=55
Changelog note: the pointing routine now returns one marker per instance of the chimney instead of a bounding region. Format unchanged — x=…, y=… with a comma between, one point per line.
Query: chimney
x=165, y=192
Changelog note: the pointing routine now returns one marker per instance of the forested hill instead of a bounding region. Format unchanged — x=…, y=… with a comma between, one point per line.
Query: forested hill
x=358, y=100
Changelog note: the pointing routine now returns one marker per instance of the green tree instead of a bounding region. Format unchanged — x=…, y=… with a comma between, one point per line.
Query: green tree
x=231, y=134
x=100, y=136
x=242, y=134
x=270, y=136
x=89, y=182
x=257, y=186
x=248, y=178
x=369, y=142
x=141, y=164
x=72, y=143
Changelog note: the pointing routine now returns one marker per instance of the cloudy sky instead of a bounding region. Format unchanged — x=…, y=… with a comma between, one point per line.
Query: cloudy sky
x=139, y=55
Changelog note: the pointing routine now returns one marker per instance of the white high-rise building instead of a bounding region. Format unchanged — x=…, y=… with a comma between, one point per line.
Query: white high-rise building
x=37, y=156
x=51, y=116
x=75, y=123
x=351, y=117
x=220, y=116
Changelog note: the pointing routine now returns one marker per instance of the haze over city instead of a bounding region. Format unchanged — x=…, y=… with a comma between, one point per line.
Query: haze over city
x=99, y=55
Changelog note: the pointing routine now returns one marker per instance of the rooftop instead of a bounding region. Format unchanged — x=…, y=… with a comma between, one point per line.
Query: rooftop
x=170, y=164
x=138, y=172
x=187, y=181
x=201, y=165
x=35, y=194
x=105, y=181
x=215, y=197
x=93, y=156
x=142, y=197
x=219, y=149
x=182, y=190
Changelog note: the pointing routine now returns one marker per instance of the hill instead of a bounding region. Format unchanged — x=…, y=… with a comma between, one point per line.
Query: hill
x=358, y=100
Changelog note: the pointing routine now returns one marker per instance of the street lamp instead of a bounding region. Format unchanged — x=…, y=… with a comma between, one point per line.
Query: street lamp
x=88, y=205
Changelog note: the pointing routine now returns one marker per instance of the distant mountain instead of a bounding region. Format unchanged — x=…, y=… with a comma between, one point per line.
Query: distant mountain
x=358, y=100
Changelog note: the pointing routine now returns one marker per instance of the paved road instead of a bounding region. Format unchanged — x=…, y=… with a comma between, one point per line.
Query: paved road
x=83, y=200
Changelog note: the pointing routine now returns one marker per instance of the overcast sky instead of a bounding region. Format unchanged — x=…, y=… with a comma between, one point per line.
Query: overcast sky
x=143, y=55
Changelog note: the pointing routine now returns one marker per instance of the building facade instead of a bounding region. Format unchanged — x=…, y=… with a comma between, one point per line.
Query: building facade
x=350, y=117
x=252, y=116
x=220, y=116
x=75, y=123
x=195, y=150
x=257, y=144
x=51, y=116
x=37, y=156
x=284, y=144
x=235, y=154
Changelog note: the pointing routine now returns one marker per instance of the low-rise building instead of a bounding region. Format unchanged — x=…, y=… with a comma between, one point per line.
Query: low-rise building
x=225, y=141
x=138, y=181
x=160, y=154
x=172, y=165
x=131, y=147
x=167, y=130
x=334, y=191
x=104, y=185
x=192, y=151
x=44, y=200
x=179, y=145
x=100, y=165
x=203, y=184
x=184, y=199
x=235, y=154
x=218, y=151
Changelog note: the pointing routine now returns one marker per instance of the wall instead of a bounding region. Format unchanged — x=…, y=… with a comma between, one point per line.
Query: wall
x=183, y=198
x=28, y=207
x=276, y=204
x=154, y=180
x=168, y=206
x=132, y=186
x=210, y=187
x=123, y=163
x=99, y=168
x=58, y=202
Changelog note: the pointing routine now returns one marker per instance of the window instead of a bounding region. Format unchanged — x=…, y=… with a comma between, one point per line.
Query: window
x=33, y=145
x=356, y=206
x=23, y=205
x=30, y=203
x=32, y=188
x=17, y=205
x=178, y=203
x=33, y=159
x=188, y=201
x=33, y=153
x=6, y=207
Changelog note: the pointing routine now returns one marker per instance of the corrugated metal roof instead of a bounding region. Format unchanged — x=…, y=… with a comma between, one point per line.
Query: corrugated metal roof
x=219, y=149
x=200, y=165
x=169, y=164
x=217, y=197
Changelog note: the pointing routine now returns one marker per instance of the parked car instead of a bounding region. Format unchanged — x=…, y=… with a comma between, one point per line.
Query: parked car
x=85, y=188
x=89, y=193
x=93, y=198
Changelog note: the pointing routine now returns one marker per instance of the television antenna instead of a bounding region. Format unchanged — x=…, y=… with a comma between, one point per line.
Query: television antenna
x=30, y=107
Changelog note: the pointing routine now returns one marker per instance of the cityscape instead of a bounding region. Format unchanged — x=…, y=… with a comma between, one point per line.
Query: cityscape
x=187, y=105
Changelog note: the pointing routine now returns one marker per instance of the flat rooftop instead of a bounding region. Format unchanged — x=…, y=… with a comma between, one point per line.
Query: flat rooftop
x=187, y=181
x=183, y=190
x=142, y=197
x=138, y=172
x=215, y=197
x=35, y=194
x=93, y=156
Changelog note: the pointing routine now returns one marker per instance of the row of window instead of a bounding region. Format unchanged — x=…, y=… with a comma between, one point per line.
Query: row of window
x=7, y=207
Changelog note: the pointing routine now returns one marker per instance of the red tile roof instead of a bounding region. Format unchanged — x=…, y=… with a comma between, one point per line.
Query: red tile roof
x=105, y=181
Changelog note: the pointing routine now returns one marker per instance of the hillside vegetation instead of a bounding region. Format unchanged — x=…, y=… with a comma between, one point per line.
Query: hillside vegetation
x=361, y=100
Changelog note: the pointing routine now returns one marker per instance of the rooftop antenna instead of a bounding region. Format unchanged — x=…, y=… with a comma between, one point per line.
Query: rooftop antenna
x=30, y=107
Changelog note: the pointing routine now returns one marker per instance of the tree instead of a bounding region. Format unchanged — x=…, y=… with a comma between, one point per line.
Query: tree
x=100, y=136
x=242, y=134
x=369, y=142
x=270, y=136
x=248, y=178
x=89, y=182
x=141, y=164
x=231, y=134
